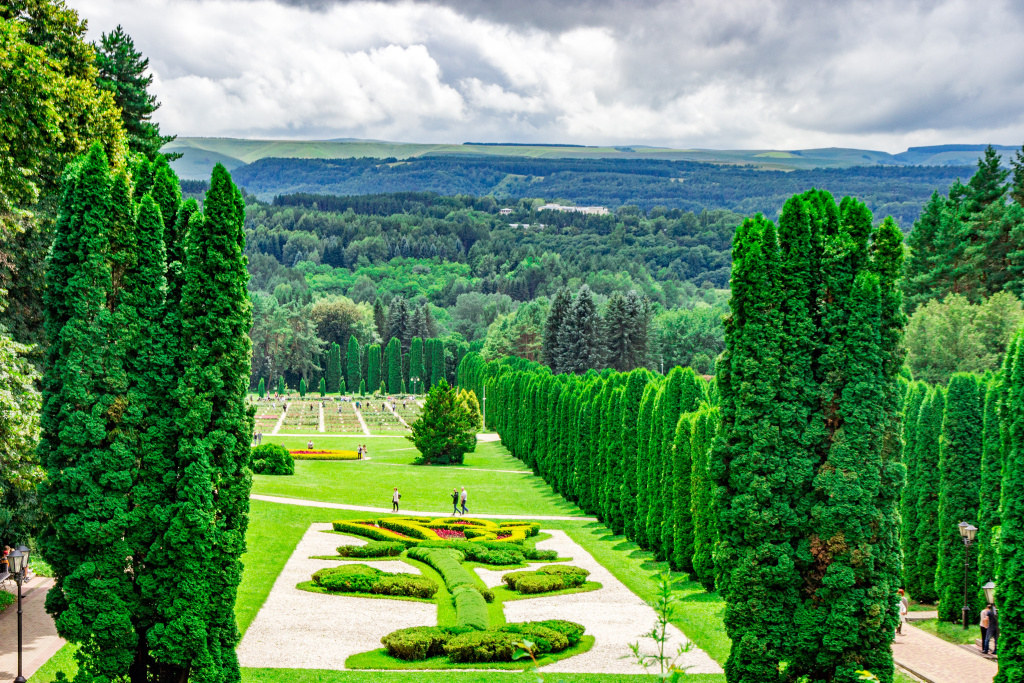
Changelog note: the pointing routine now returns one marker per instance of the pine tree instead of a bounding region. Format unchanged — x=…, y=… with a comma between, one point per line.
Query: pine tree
x=333, y=378
x=926, y=537
x=918, y=279
x=580, y=346
x=262, y=388
x=1010, y=584
x=631, y=400
x=121, y=70
x=302, y=387
x=373, y=361
x=394, y=365
x=959, y=488
x=991, y=484
x=416, y=364
x=988, y=184
x=682, y=516
x=702, y=504
x=550, y=352
x=1017, y=184
x=445, y=432
x=908, y=506
x=354, y=370
x=397, y=322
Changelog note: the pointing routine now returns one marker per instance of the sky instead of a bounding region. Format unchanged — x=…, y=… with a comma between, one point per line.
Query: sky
x=724, y=74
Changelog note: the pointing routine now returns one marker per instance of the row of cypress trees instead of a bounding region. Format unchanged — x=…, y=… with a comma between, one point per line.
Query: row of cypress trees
x=631, y=448
x=145, y=430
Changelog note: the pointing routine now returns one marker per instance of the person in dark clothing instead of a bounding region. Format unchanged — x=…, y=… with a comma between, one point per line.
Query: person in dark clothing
x=395, y=497
x=989, y=629
x=455, y=501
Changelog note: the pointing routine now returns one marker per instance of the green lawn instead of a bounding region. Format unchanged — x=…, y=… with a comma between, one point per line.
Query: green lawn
x=497, y=483
x=954, y=633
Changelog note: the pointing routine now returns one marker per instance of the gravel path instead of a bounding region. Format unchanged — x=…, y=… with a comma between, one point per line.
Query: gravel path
x=414, y=513
x=300, y=630
x=613, y=615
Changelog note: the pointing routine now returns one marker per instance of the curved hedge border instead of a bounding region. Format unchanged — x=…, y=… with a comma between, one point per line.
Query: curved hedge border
x=470, y=605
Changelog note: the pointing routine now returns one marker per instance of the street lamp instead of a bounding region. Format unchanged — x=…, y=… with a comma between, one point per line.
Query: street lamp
x=990, y=592
x=19, y=562
x=967, y=533
x=415, y=379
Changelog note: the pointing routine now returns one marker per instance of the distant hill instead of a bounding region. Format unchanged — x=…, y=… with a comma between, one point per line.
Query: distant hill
x=200, y=154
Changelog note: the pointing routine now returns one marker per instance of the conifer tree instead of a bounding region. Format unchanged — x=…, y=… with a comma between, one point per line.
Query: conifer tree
x=362, y=387
x=926, y=537
x=302, y=387
x=341, y=388
x=908, y=505
x=437, y=361
x=991, y=484
x=281, y=389
x=373, y=360
x=353, y=374
x=323, y=387
x=612, y=460
x=550, y=352
x=681, y=521
x=959, y=488
x=643, y=461
x=416, y=363
x=631, y=400
x=702, y=503
x=656, y=469
x=1010, y=584
x=683, y=395
x=988, y=184
x=262, y=388
x=333, y=368
x=380, y=320
x=580, y=343
x=394, y=365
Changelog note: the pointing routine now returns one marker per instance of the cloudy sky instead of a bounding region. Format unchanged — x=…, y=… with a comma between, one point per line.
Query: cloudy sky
x=780, y=74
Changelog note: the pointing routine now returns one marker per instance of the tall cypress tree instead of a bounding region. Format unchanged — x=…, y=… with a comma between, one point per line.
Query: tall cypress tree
x=556, y=317
x=959, y=487
x=1010, y=584
x=373, y=367
x=323, y=387
x=656, y=470
x=262, y=388
x=437, y=362
x=683, y=395
x=394, y=365
x=682, y=517
x=991, y=484
x=281, y=388
x=908, y=504
x=702, y=503
x=354, y=374
x=334, y=368
x=631, y=400
x=613, y=463
x=416, y=364
x=926, y=537
x=302, y=387
x=643, y=461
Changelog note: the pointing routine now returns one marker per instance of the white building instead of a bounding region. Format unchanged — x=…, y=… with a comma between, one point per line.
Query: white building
x=594, y=210
x=505, y=212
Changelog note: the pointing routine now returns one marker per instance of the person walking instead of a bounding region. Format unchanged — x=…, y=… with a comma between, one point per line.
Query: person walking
x=465, y=496
x=395, y=497
x=989, y=629
x=904, y=608
x=455, y=502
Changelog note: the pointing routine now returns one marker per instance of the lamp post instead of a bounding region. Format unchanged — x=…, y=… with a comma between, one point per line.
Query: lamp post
x=990, y=592
x=18, y=561
x=967, y=534
x=415, y=380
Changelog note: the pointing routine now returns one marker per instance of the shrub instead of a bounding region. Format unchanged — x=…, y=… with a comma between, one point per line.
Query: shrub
x=534, y=555
x=411, y=585
x=484, y=552
x=483, y=646
x=272, y=458
x=416, y=643
x=372, y=549
x=360, y=578
x=470, y=608
x=570, y=629
x=470, y=605
x=545, y=639
x=541, y=583
x=488, y=595
x=564, y=570
x=375, y=533
x=552, y=577
x=513, y=578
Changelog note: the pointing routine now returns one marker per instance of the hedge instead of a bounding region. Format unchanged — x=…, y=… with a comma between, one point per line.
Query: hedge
x=546, y=579
x=272, y=458
x=372, y=549
x=360, y=578
x=470, y=605
x=375, y=533
x=464, y=645
x=419, y=642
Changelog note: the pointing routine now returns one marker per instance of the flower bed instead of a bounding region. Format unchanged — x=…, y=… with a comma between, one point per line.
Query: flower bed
x=444, y=528
x=325, y=455
x=448, y=534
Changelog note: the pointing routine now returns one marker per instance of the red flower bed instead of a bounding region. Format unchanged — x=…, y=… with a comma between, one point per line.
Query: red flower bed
x=502, y=534
x=450, y=534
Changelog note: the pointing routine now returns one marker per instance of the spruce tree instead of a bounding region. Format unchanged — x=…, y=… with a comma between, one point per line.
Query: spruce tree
x=394, y=365
x=416, y=363
x=333, y=368
x=373, y=379
x=262, y=388
x=616, y=332
x=959, y=488
x=988, y=184
x=926, y=536
x=1010, y=584
x=354, y=368
x=580, y=343
x=908, y=506
x=380, y=320
x=631, y=400
x=991, y=484
x=550, y=352
x=702, y=503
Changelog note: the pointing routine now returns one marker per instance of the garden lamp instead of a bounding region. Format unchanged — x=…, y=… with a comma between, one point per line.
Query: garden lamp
x=967, y=531
x=17, y=560
x=990, y=592
x=23, y=549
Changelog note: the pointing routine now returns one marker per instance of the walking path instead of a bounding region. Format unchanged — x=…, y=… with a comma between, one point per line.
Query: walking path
x=322, y=418
x=362, y=422
x=434, y=513
x=39, y=636
x=404, y=423
x=280, y=420
x=933, y=659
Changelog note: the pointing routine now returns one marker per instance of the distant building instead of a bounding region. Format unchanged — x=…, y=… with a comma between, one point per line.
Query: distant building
x=505, y=212
x=594, y=210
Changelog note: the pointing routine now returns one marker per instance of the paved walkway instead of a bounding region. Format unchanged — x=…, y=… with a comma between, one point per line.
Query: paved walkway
x=362, y=422
x=415, y=513
x=938, y=661
x=39, y=636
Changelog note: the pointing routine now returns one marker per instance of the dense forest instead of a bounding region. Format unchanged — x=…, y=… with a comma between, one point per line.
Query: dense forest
x=899, y=191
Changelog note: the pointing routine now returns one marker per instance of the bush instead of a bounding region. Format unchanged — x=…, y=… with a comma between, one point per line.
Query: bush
x=375, y=533
x=564, y=570
x=570, y=629
x=416, y=643
x=484, y=552
x=272, y=458
x=372, y=549
x=470, y=608
x=360, y=578
x=6, y=600
x=488, y=595
x=534, y=555
x=541, y=583
x=545, y=639
x=470, y=605
x=483, y=646
x=552, y=577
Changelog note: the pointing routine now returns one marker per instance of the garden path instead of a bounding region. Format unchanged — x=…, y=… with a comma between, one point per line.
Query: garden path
x=322, y=418
x=39, y=636
x=435, y=513
x=362, y=422
x=392, y=411
x=937, y=661
x=280, y=421
x=296, y=629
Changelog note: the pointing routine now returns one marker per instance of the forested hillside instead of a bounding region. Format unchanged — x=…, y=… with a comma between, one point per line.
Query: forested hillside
x=899, y=191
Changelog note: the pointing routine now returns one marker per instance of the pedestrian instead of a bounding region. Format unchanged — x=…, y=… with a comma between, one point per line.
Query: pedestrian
x=309, y=444
x=455, y=502
x=904, y=608
x=395, y=497
x=465, y=496
x=989, y=629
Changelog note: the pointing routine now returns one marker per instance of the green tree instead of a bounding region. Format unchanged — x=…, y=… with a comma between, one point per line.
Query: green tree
x=281, y=388
x=20, y=402
x=631, y=400
x=354, y=373
x=702, y=502
x=682, y=516
x=926, y=537
x=550, y=352
x=580, y=342
x=323, y=387
x=990, y=489
x=121, y=71
x=416, y=364
x=959, y=488
x=444, y=433
x=302, y=387
x=334, y=377
x=394, y=365
x=437, y=361
x=373, y=378
x=380, y=319
x=643, y=461
x=262, y=388
x=362, y=387
x=908, y=506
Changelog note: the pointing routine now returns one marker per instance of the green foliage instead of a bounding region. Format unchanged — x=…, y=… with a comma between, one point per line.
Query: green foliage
x=394, y=365
x=643, y=463
x=271, y=458
x=302, y=387
x=20, y=402
x=681, y=518
x=926, y=536
x=360, y=578
x=470, y=606
x=803, y=483
x=482, y=646
x=372, y=549
x=373, y=361
x=261, y=390
x=702, y=498
x=990, y=488
x=444, y=432
x=353, y=373
x=959, y=487
x=418, y=643
x=546, y=579
x=916, y=396
x=281, y=388
x=334, y=377
x=628, y=455
x=545, y=639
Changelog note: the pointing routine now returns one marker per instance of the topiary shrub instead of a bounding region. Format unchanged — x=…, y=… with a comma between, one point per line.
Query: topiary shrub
x=411, y=585
x=416, y=643
x=535, y=555
x=552, y=577
x=372, y=549
x=564, y=570
x=470, y=608
x=375, y=533
x=272, y=458
x=544, y=639
x=483, y=646
x=488, y=595
x=541, y=583
x=570, y=629
x=360, y=578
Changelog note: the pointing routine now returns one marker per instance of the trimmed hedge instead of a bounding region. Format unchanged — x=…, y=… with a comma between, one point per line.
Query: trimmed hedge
x=373, y=549
x=570, y=629
x=470, y=608
x=470, y=605
x=419, y=642
x=484, y=552
x=375, y=533
x=464, y=645
x=360, y=578
x=544, y=639
x=546, y=579
x=272, y=458
x=482, y=646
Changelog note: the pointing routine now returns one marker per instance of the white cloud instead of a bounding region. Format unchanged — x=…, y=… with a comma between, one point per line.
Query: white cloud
x=691, y=73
